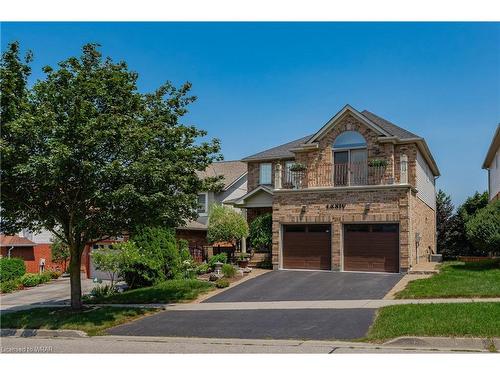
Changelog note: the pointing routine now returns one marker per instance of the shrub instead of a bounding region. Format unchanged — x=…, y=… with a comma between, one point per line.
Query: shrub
x=101, y=291
x=483, y=229
x=109, y=260
x=228, y=270
x=30, y=279
x=222, y=258
x=222, y=283
x=55, y=274
x=202, y=268
x=60, y=253
x=11, y=268
x=225, y=224
x=45, y=277
x=160, y=248
x=261, y=232
x=10, y=285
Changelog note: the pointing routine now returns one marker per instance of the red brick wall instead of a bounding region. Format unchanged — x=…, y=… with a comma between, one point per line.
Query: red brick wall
x=32, y=256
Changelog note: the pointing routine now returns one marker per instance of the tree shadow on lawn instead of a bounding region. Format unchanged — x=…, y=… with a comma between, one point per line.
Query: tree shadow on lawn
x=484, y=265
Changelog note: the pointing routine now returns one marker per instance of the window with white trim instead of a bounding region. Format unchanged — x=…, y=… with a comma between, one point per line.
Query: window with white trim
x=265, y=174
x=202, y=204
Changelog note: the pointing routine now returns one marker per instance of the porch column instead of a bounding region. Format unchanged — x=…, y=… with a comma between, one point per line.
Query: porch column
x=244, y=245
x=277, y=176
x=403, y=171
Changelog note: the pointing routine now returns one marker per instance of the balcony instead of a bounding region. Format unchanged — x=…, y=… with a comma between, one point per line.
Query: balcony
x=339, y=175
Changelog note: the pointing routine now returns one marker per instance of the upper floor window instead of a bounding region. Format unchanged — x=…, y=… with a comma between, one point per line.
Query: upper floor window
x=202, y=204
x=265, y=174
x=349, y=139
x=350, y=159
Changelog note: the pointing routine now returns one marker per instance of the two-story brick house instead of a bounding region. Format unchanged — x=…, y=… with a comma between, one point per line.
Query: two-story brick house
x=357, y=195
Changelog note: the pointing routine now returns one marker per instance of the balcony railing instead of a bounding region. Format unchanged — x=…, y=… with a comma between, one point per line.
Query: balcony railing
x=337, y=175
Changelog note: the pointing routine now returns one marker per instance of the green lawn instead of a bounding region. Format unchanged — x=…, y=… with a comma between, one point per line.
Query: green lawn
x=479, y=319
x=165, y=292
x=458, y=279
x=94, y=320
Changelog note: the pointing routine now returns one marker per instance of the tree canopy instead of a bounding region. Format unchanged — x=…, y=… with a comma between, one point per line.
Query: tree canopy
x=225, y=224
x=86, y=155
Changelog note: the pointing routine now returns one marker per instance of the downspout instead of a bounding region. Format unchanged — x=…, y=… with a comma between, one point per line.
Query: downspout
x=8, y=251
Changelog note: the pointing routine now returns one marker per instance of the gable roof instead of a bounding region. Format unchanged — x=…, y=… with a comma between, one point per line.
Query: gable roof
x=231, y=171
x=389, y=127
x=383, y=127
x=279, y=152
x=492, y=150
x=16, y=241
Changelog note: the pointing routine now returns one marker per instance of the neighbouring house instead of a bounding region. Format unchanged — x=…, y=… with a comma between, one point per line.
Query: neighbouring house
x=33, y=248
x=492, y=165
x=357, y=195
x=234, y=181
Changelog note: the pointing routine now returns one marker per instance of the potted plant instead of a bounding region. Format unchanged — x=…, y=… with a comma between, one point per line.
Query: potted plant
x=297, y=171
x=243, y=260
x=377, y=163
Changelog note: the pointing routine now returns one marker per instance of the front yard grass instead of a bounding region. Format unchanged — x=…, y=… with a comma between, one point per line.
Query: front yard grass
x=458, y=279
x=474, y=319
x=166, y=292
x=92, y=320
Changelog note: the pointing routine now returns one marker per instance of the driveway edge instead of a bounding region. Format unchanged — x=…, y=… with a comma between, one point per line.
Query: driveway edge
x=8, y=332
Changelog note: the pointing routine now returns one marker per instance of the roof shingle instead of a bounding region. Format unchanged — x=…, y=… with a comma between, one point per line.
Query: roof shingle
x=230, y=170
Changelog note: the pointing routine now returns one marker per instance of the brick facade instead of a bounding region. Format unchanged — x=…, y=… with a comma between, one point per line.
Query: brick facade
x=32, y=256
x=374, y=204
x=253, y=212
x=361, y=206
x=423, y=222
x=195, y=238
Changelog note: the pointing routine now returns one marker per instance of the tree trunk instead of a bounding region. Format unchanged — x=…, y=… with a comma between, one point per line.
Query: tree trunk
x=75, y=278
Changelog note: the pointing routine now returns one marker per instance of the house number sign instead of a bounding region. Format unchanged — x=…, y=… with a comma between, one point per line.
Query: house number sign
x=335, y=206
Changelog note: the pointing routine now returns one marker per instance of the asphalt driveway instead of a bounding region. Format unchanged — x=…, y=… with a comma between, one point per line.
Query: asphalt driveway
x=310, y=286
x=306, y=324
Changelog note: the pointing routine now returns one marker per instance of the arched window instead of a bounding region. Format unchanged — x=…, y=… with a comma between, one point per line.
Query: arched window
x=350, y=159
x=349, y=139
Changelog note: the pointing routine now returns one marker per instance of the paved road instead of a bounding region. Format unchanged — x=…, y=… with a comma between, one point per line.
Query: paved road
x=310, y=286
x=304, y=324
x=54, y=293
x=114, y=344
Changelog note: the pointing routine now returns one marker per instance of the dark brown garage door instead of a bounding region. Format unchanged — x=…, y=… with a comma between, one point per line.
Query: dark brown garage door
x=371, y=247
x=307, y=247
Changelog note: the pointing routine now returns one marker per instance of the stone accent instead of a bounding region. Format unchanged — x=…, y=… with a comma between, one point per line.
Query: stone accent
x=374, y=205
x=423, y=221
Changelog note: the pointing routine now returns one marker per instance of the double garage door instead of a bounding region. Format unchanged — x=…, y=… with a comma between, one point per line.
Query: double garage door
x=367, y=247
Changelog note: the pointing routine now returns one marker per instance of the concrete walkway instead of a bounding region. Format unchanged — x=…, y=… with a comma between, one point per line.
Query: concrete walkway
x=281, y=305
x=131, y=344
x=336, y=304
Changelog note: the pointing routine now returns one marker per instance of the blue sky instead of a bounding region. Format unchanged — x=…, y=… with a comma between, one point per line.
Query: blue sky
x=263, y=84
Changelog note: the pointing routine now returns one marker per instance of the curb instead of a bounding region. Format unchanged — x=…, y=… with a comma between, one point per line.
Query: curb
x=451, y=343
x=7, y=332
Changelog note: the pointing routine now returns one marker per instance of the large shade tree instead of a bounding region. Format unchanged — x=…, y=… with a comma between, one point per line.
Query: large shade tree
x=87, y=156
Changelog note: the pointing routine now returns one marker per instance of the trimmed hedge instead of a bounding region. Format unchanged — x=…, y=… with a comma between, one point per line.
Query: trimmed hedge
x=11, y=268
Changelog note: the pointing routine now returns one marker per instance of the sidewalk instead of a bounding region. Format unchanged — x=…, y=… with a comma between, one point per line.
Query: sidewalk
x=132, y=344
x=278, y=305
